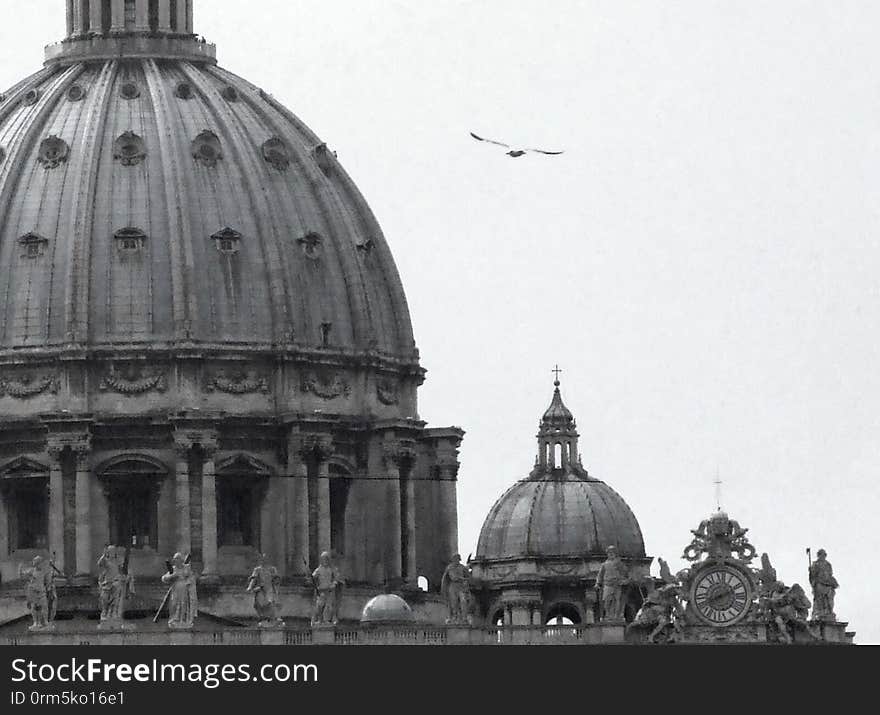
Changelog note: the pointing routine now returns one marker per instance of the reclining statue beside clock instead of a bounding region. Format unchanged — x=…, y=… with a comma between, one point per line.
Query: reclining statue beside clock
x=720, y=590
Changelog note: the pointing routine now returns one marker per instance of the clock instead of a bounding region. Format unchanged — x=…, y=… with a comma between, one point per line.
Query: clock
x=721, y=595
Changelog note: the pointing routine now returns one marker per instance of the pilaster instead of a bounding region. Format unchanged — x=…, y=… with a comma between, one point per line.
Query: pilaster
x=183, y=449
x=4, y=525
x=82, y=460
x=209, y=507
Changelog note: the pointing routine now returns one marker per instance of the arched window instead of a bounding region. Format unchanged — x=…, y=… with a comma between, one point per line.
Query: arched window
x=106, y=16
x=423, y=584
x=563, y=614
x=132, y=487
x=241, y=484
x=86, y=15
x=174, y=24
x=557, y=455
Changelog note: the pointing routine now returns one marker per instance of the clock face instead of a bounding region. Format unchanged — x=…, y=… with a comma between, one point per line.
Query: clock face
x=721, y=596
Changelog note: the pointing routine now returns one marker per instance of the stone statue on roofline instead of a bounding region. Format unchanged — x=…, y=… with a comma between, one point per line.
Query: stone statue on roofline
x=264, y=583
x=115, y=583
x=611, y=582
x=184, y=604
x=456, y=590
x=824, y=588
x=40, y=594
x=662, y=609
x=326, y=580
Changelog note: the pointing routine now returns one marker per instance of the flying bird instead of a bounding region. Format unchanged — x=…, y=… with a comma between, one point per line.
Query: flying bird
x=515, y=153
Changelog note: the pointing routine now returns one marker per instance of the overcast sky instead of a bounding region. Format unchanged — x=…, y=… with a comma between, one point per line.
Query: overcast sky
x=702, y=262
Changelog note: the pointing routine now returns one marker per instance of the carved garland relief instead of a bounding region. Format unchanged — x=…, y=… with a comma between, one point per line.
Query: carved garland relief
x=133, y=380
x=28, y=385
x=327, y=386
x=237, y=382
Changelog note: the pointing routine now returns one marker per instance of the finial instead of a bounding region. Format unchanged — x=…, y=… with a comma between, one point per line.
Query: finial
x=557, y=371
x=718, y=484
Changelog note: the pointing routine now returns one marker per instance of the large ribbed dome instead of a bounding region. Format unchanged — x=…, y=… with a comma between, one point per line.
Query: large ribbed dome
x=148, y=196
x=566, y=516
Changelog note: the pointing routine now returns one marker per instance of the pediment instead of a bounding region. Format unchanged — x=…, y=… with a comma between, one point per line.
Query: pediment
x=24, y=468
x=241, y=464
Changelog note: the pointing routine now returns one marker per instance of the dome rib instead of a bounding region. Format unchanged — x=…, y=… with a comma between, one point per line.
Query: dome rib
x=21, y=161
x=77, y=283
x=262, y=206
x=81, y=294
x=389, y=277
x=180, y=251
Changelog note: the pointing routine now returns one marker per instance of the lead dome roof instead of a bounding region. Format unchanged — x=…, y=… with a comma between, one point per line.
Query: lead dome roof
x=149, y=197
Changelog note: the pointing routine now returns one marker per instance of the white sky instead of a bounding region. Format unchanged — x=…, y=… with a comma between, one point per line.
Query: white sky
x=702, y=262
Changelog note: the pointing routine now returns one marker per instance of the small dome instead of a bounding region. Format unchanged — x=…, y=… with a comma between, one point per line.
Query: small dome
x=550, y=515
x=387, y=608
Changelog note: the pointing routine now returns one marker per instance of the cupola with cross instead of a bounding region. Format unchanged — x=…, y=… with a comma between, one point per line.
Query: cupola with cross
x=558, y=436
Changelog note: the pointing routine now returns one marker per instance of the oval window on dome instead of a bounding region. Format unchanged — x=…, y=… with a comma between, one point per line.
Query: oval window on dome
x=130, y=240
x=311, y=244
x=53, y=152
x=129, y=90
x=31, y=98
x=184, y=90
x=275, y=153
x=230, y=94
x=129, y=149
x=33, y=245
x=227, y=241
x=76, y=93
x=206, y=149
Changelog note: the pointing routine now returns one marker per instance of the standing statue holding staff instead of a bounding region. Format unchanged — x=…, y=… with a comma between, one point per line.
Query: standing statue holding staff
x=824, y=588
x=612, y=579
x=264, y=583
x=115, y=582
x=184, y=604
x=456, y=589
x=40, y=593
x=326, y=580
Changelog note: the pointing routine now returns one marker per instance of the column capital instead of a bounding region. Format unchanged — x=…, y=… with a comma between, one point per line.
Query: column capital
x=186, y=438
x=80, y=444
x=317, y=445
x=399, y=452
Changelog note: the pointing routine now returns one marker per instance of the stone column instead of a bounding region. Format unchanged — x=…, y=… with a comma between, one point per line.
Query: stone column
x=117, y=22
x=76, y=16
x=410, y=568
x=399, y=460
x=448, y=477
x=4, y=524
x=181, y=498
x=189, y=14
x=164, y=15
x=142, y=15
x=393, y=546
x=298, y=490
x=56, y=507
x=181, y=16
x=83, y=512
x=209, y=512
x=323, y=504
x=96, y=15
